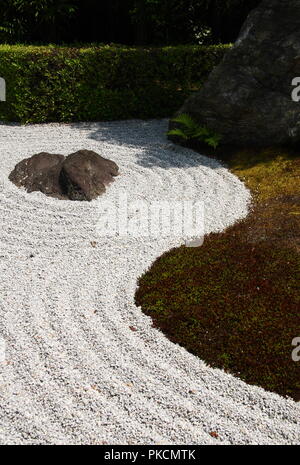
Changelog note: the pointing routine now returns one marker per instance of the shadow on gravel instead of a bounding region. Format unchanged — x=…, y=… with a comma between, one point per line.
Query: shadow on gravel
x=149, y=138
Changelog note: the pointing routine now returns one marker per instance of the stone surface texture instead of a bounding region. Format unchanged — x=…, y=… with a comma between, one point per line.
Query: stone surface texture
x=247, y=98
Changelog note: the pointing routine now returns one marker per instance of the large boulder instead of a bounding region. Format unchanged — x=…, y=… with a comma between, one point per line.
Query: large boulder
x=40, y=172
x=247, y=98
x=85, y=174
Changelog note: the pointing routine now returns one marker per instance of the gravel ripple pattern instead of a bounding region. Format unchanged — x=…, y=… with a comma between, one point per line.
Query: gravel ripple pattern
x=83, y=364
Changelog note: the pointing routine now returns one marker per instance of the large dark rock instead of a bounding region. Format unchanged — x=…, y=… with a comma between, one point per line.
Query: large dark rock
x=40, y=172
x=80, y=176
x=85, y=174
x=247, y=98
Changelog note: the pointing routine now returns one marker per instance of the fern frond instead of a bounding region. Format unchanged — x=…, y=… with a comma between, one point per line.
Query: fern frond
x=190, y=129
x=186, y=120
x=201, y=132
x=178, y=132
x=213, y=140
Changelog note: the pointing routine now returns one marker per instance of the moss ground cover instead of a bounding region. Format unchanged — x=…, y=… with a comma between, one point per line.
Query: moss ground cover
x=235, y=301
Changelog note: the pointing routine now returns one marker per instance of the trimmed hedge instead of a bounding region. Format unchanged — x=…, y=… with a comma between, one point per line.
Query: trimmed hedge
x=100, y=83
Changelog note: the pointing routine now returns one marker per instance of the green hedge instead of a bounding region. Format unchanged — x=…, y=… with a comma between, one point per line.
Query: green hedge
x=100, y=83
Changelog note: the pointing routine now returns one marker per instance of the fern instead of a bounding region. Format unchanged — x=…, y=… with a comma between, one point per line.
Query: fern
x=186, y=120
x=212, y=139
x=191, y=130
x=178, y=132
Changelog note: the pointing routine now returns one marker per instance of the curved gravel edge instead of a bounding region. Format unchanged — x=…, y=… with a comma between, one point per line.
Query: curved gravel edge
x=83, y=364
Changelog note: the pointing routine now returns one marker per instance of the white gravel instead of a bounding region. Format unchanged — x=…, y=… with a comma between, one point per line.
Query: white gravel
x=74, y=371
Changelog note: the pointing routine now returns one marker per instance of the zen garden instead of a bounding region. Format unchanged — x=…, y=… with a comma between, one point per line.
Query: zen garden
x=150, y=223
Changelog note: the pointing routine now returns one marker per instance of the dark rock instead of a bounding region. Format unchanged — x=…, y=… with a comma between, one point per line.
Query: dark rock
x=247, y=98
x=85, y=174
x=80, y=176
x=39, y=173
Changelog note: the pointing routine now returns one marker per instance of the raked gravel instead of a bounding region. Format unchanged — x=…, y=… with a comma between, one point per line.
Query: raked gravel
x=83, y=364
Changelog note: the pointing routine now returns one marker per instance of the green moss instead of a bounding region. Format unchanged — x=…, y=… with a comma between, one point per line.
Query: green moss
x=234, y=302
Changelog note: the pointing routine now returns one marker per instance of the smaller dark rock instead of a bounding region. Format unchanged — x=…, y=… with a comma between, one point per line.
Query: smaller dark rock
x=85, y=174
x=40, y=172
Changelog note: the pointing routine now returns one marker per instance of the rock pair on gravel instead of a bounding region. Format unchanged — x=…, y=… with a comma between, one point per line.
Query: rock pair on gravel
x=83, y=175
